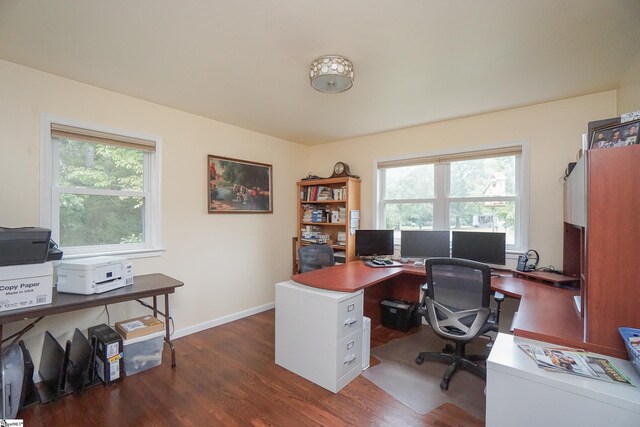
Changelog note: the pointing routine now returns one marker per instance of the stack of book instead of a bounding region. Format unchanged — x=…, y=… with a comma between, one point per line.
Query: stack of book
x=319, y=215
x=324, y=193
x=307, y=213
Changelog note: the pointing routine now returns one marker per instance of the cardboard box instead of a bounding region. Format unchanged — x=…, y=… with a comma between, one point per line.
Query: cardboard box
x=138, y=327
x=25, y=285
x=109, y=365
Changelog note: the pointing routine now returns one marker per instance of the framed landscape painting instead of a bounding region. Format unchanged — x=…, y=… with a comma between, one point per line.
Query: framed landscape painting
x=238, y=186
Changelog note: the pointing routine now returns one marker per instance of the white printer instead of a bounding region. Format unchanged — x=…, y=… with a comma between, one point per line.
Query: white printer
x=95, y=275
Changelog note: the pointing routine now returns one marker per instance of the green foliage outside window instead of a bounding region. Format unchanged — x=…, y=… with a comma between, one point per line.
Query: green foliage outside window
x=98, y=219
x=410, y=194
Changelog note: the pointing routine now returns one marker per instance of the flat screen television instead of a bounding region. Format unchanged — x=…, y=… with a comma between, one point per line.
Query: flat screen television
x=424, y=243
x=374, y=242
x=481, y=246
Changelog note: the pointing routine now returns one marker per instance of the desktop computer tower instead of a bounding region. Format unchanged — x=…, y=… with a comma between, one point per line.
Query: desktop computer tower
x=366, y=342
x=399, y=315
x=108, y=362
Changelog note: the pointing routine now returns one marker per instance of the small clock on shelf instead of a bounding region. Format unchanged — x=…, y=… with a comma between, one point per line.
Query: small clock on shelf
x=341, y=169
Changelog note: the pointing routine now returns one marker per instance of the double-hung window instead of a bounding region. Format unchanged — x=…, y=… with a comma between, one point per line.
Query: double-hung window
x=481, y=190
x=100, y=188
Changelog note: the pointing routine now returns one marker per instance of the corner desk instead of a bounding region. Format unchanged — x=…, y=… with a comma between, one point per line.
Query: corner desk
x=319, y=333
x=546, y=313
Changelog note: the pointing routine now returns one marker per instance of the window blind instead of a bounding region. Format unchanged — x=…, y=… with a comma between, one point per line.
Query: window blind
x=515, y=150
x=80, y=134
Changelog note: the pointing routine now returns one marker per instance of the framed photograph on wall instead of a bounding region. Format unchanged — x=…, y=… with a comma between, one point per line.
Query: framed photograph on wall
x=238, y=186
x=615, y=135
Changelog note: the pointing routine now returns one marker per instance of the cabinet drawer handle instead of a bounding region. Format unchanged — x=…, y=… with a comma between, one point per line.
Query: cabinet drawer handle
x=349, y=360
x=350, y=322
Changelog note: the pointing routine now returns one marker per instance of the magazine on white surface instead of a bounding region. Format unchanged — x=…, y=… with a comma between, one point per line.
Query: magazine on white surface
x=576, y=362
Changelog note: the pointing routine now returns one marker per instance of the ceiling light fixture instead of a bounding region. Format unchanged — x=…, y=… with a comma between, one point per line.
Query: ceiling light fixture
x=331, y=74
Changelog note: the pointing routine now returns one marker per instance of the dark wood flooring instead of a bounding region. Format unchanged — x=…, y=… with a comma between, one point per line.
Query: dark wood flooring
x=226, y=376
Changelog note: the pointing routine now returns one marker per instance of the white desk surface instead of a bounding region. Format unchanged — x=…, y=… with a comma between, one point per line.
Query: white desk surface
x=508, y=358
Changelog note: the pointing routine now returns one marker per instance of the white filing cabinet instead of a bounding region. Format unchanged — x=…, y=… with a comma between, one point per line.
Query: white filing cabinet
x=319, y=333
x=521, y=394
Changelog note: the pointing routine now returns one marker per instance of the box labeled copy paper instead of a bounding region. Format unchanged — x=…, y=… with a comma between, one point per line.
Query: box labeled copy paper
x=25, y=285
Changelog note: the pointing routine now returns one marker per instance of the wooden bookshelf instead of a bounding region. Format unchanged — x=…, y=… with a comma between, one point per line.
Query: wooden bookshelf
x=325, y=207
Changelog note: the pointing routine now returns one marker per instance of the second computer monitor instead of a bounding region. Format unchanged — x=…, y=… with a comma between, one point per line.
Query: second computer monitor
x=486, y=247
x=374, y=242
x=424, y=243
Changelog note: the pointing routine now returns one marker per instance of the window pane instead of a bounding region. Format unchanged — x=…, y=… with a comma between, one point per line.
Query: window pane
x=409, y=182
x=408, y=216
x=484, y=216
x=484, y=177
x=99, y=166
x=87, y=220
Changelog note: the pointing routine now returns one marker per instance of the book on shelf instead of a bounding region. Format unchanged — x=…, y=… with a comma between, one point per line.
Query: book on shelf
x=316, y=193
x=576, y=362
x=324, y=193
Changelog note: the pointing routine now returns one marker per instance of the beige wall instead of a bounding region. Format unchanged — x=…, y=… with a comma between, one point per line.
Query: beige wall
x=229, y=263
x=553, y=131
x=629, y=90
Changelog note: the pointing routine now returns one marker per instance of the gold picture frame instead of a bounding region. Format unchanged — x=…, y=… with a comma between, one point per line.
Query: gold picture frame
x=238, y=186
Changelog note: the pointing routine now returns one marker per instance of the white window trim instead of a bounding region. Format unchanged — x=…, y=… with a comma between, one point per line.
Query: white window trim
x=153, y=175
x=522, y=181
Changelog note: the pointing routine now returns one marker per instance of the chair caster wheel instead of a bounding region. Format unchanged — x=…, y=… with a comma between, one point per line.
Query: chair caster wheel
x=419, y=360
x=444, y=385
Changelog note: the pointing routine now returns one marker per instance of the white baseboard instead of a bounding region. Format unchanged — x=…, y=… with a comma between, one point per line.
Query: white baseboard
x=221, y=320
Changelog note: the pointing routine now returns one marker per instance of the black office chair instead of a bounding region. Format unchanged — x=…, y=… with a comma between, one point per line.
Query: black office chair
x=313, y=257
x=456, y=305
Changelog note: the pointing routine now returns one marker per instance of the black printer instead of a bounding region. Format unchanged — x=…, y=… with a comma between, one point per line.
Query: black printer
x=25, y=245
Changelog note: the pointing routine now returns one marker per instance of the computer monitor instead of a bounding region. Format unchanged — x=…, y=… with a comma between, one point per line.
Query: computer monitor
x=374, y=242
x=486, y=247
x=424, y=243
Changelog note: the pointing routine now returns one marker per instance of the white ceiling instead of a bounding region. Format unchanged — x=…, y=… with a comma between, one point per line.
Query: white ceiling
x=245, y=62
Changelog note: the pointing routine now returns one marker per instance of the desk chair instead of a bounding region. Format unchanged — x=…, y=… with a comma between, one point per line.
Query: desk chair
x=456, y=306
x=313, y=257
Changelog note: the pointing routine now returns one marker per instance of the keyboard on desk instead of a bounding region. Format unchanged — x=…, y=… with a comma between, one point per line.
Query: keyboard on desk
x=376, y=263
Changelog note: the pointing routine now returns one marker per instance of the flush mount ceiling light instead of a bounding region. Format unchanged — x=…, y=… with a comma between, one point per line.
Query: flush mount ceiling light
x=331, y=74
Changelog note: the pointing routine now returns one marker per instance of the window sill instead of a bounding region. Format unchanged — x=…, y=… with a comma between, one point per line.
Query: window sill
x=130, y=254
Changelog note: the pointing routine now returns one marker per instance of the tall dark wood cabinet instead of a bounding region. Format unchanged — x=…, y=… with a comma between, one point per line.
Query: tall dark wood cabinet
x=613, y=234
x=600, y=248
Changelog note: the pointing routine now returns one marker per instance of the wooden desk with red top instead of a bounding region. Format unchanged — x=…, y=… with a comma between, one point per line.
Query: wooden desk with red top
x=546, y=313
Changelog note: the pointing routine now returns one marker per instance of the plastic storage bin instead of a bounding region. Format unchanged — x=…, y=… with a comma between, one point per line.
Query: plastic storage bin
x=634, y=355
x=143, y=353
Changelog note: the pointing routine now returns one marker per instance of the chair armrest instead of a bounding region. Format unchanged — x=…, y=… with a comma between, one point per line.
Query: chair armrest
x=498, y=296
